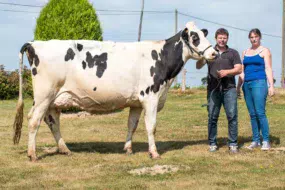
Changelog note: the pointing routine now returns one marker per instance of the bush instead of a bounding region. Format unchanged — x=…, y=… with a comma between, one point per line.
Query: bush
x=68, y=19
x=9, y=84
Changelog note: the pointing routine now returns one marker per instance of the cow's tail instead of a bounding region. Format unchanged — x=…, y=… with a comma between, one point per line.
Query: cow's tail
x=18, y=123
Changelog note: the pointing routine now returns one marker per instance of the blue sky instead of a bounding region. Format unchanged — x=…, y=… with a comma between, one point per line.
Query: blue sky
x=18, y=28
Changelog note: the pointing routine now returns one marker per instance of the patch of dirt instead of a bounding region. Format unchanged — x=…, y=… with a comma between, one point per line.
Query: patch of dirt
x=155, y=170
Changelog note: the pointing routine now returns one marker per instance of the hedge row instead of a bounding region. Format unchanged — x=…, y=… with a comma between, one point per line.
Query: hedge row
x=9, y=84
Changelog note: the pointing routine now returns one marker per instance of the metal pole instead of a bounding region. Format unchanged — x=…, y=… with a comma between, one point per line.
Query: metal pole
x=140, y=27
x=283, y=47
x=176, y=20
x=175, y=30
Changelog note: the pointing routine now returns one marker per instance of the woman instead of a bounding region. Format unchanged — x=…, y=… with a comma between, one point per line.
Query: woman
x=257, y=72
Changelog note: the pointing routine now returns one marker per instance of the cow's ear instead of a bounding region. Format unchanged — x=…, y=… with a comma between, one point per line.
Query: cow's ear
x=205, y=31
x=185, y=35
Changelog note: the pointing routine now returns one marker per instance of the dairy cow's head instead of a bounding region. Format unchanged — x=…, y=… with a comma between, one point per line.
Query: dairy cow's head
x=196, y=42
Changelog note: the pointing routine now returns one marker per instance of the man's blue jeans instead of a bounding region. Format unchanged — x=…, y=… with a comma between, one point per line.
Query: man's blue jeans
x=255, y=94
x=228, y=99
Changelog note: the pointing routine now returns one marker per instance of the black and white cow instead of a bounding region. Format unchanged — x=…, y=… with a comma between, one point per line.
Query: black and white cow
x=105, y=76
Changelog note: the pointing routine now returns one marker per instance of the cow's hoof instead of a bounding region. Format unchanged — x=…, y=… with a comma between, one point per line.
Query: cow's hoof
x=154, y=156
x=129, y=151
x=33, y=158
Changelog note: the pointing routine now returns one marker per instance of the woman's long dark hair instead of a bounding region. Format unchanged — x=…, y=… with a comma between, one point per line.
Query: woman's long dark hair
x=255, y=31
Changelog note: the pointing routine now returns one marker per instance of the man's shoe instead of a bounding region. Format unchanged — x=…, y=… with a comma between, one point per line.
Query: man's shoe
x=213, y=148
x=233, y=149
x=265, y=145
x=253, y=145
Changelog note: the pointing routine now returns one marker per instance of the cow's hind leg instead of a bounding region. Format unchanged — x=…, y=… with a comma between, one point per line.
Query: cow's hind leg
x=53, y=121
x=150, y=121
x=35, y=117
x=133, y=121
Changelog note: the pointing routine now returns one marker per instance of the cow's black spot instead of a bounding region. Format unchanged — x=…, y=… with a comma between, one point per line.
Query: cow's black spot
x=83, y=64
x=154, y=55
x=147, y=90
x=69, y=55
x=32, y=56
x=34, y=71
x=94, y=89
x=51, y=120
x=37, y=61
x=79, y=47
x=142, y=93
x=195, y=38
x=169, y=64
x=100, y=61
x=151, y=71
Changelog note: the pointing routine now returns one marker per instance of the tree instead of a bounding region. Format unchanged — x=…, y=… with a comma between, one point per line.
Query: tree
x=68, y=19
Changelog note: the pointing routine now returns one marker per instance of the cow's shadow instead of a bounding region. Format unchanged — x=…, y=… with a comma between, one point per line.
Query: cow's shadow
x=162, y=146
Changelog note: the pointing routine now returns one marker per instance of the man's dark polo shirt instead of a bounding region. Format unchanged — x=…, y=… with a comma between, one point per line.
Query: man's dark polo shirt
x=224, y=61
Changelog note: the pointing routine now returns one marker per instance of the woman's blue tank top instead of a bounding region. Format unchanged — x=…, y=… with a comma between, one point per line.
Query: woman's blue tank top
x=254, y=67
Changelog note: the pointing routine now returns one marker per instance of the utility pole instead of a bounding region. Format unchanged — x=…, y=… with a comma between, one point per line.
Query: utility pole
x=183, y=85
x=283, y=47
x=140, y=27
x=175, y=30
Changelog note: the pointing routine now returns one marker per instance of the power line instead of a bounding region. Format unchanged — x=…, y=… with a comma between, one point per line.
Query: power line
x=5, y=10
x=99, y=10
x=22, y=5
x=125, y=12
x=233, y=27
x=133, y=11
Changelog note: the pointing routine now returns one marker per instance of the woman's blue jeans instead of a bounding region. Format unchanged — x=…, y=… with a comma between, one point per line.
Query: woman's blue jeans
x=255, y=94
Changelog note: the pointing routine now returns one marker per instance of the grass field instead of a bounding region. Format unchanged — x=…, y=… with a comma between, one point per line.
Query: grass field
x=99, y=162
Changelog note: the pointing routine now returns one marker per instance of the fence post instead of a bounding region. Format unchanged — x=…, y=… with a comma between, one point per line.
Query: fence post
x=183, y=85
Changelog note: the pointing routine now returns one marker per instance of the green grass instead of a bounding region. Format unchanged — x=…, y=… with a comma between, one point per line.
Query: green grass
x=99, y=162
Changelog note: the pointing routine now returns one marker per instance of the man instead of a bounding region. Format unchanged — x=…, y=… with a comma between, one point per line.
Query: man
x=222, y=90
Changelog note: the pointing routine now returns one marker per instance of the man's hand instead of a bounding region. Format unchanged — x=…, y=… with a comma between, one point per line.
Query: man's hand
x=222, y=73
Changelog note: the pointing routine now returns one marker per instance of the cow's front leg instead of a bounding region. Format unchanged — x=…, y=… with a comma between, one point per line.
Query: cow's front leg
x=133, y=121
x=150, y=121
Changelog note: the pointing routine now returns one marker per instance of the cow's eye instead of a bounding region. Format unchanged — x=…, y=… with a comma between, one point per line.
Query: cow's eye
x=195, y=41
x=195, y=38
